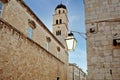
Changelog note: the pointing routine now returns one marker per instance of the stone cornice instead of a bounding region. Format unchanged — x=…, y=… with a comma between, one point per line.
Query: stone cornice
x=102, y=20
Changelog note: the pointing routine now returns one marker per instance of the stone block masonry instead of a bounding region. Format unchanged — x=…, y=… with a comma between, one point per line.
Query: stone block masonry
x=24, y=59
x=102, y=56
x=103, y=59
x=20, y=15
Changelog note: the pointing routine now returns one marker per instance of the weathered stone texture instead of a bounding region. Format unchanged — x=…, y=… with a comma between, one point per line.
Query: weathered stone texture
x=60, y=23
x=19, y=16
x=102, y=53
x=75, y=73
x=102, y=56
x=23, y=59
x=101, y=9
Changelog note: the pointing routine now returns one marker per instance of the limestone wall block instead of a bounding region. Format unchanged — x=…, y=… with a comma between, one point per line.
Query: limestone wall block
x=116, y=52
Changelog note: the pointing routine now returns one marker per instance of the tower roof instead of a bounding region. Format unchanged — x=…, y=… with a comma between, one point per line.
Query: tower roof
x=60, y=6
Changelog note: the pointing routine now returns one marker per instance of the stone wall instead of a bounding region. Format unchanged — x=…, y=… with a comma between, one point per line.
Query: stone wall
x=97, y=10
x=23, y=59
x=102, y=55
x=18, y=14
x=75, y=73
x=102, y=26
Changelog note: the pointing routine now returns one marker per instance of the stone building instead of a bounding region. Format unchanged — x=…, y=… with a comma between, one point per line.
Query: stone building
x=75, y=73
x=103, y=28
x=60, y=23
x=26, y=45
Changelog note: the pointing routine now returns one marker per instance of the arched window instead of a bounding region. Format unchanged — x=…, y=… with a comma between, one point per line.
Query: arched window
x=60, y=21
x=1, y=8
x=56, y=21
x=63, y=11
x=59, y=11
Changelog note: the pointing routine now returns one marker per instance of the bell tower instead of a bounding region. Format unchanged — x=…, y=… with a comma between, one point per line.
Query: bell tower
x=60, y=23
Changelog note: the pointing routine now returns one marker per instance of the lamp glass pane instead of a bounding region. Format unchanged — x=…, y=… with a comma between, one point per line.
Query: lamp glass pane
x=70, y=43
x=75, y=42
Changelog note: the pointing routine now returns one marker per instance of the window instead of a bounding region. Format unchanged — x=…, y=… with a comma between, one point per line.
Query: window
x=58, y=52
x=60, y=21
x=1, y=8
x=63, y=11
x=48, y=40
x=58, y=78
x=56, y=21
x=30, y=32
x=59, y=11
x=47, y=45
x=32, y=26
x=58, y=32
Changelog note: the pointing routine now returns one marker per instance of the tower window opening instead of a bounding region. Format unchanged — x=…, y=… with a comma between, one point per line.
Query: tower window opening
x=56, y=21
x=60, y=21
x=63, y=11
x=59, y=11
x=58, y=32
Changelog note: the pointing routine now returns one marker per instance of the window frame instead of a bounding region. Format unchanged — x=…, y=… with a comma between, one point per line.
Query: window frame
x=31, y=27
x=30, y=32
x=48, y=40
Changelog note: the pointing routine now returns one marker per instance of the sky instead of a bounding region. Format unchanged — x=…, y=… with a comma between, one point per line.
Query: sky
x=44, y=9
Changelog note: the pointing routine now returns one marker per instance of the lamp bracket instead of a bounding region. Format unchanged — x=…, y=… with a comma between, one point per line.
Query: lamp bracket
x=83, y=35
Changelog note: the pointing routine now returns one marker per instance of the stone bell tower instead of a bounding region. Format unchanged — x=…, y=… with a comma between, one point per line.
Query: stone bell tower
x=60, y=23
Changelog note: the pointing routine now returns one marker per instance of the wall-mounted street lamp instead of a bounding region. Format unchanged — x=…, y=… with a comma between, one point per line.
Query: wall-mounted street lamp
x=71, y=41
